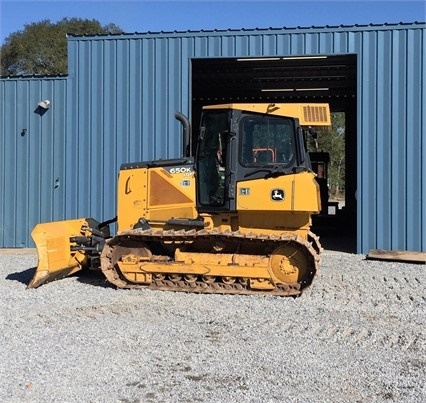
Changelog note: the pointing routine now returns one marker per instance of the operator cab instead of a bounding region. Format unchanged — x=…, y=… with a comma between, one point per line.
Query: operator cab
x=240, y=143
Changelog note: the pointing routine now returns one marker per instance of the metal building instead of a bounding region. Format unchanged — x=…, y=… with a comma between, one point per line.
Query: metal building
x=118, y=101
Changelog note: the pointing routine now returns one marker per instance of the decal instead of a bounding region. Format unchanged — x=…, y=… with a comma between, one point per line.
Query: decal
x=277, y=195
x=180, y=170
x=185, y=183
x=244, y=191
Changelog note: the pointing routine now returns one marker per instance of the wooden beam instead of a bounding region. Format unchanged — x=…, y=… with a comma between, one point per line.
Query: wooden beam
x=397, y=256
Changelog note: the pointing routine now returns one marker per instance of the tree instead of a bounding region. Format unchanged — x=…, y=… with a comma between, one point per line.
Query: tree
x=333, y=142
x=41, y=47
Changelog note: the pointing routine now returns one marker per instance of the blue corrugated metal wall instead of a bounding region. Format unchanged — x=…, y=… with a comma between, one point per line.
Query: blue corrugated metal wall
x=122, y=91
x=392, y=140
x=31, y=156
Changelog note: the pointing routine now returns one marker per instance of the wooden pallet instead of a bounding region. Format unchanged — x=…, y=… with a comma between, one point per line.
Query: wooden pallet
x=397, y=256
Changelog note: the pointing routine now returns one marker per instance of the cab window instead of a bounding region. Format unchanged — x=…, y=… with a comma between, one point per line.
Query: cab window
x=267, y=140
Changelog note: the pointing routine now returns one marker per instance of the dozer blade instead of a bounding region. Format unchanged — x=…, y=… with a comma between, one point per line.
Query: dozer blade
x=56, y=259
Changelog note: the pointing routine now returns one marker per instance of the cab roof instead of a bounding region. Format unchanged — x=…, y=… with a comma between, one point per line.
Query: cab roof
x=309, y=114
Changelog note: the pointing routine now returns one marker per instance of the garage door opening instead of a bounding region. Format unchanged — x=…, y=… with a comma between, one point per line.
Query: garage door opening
x=328, y=79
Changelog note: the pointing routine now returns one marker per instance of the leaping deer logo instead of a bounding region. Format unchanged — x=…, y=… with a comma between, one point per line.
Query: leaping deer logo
x=277, y=195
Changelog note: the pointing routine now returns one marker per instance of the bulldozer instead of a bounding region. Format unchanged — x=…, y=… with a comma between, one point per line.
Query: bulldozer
x=232, y=215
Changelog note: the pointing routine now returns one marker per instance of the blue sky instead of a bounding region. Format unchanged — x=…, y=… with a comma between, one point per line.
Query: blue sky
x=163, y=15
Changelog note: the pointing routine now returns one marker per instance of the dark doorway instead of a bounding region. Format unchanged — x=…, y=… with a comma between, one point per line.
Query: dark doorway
x=322, y=78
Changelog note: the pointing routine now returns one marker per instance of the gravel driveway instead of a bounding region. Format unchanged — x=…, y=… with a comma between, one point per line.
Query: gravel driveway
x=357, y=335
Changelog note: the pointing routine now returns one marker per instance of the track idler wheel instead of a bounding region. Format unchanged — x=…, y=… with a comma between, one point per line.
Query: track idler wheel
x=126, y=257
x=291, y=264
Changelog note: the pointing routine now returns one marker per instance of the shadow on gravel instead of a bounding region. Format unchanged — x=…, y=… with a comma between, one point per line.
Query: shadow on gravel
x=91, y=277
x=23, y=277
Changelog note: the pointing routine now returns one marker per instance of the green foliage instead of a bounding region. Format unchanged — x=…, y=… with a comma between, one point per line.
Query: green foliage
x=333, y=142
x=41, y=47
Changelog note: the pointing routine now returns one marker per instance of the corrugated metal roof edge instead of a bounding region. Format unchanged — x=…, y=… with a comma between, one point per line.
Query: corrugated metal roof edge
x=34, y=77
x=244, y=31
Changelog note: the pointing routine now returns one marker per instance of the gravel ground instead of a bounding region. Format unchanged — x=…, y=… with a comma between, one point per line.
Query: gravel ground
x=356, y=335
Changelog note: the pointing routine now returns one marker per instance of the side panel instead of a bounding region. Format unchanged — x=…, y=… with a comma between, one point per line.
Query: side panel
x=132, y=197
x=285, y=194
x=159, y=193
x=171, y=193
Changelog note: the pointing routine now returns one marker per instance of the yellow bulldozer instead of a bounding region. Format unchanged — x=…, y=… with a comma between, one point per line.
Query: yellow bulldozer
x=231, y=216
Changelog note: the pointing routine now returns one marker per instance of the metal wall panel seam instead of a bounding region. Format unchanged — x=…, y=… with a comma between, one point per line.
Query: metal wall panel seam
x=362, y=189
x=2, y=158
x=9, y=222
x=175, y=80
x=21, y=167
x=413, y=158
x=423, y=141
x=70, y=139
x=159, y=133
x=96, y=131
x=383, y=86
x=108, y=139
x=83, y=189
x=147, y=98
x=399, y=98
x=135, y=102
x=9, y=103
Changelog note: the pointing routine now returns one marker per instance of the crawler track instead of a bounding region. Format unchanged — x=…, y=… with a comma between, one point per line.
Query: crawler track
x=143, y=244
